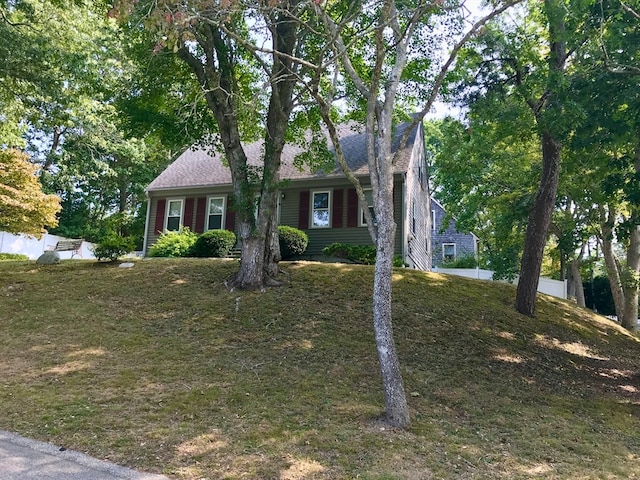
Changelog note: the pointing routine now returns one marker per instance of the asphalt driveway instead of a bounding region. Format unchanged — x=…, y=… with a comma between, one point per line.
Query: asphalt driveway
x=24, y=459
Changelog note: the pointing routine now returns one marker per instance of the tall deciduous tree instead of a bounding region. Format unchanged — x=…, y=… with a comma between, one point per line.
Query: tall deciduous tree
x=65, y=78
x=546, y=108
x=510, y=61
x=24, y=208
x=385, y=51
x=247, y=89
x=484, y=172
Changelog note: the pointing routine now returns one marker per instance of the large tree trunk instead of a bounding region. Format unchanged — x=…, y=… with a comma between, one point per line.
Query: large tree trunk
x=538, y=226
x=540, y=214
x=258, y=236
x=576, y=277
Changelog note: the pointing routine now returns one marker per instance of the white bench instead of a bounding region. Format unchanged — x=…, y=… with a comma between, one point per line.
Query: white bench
x=69, y=245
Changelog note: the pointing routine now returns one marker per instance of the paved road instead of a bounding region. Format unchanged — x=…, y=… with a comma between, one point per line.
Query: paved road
x=24, y=459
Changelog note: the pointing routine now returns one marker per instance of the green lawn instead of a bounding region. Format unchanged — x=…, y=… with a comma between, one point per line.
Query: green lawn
x=160, y=368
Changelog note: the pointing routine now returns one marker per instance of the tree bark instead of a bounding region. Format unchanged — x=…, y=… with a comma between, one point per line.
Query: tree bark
x=249, y=276
x=629, y=318
x=538, y=226
x=577, y=281
x=540, y=214
x=257, y=230
x=607, y=219
x=397, y=410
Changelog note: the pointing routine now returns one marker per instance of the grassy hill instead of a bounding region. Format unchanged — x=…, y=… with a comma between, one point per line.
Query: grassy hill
x=159, y=367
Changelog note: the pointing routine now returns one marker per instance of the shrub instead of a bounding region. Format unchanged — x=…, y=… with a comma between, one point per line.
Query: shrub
x=293, y=242
x=214, y=243
x=113, y=246
x=398, y=261
x=356, y=253
x=174, y=244
x=468, y=261
x=13, y=256
x=598, y=297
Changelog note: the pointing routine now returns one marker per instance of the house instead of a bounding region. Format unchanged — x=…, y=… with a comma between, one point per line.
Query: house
x=194, y=191
x=447, y=244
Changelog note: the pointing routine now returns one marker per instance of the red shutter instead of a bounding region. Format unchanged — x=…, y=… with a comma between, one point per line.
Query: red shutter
x=230, y=221
x=188, y=213
x=160, y=208
x=303, y=212
x=201, y=211
x=338, y=207
x=352, y=208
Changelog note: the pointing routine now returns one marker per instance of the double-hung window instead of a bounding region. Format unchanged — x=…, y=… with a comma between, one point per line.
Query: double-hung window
x=320, y=203
x=174, y=215
x=448, y=252
x=215, y=213
x=368, y=195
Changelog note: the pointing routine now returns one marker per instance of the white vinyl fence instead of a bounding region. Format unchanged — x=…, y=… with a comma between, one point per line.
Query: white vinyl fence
x=555, y=288
x=33, y=248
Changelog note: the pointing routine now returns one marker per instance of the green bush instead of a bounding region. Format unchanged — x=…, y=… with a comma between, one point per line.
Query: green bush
x=598, y=297
x=399, y=262
x=468, y=261
x=13, y=256
x=214, y=243
x=358, y=253
x=174, y=244
x=113, y=246
x=293, y=242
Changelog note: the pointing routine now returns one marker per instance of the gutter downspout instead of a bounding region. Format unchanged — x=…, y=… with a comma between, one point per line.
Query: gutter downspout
x=146, y=225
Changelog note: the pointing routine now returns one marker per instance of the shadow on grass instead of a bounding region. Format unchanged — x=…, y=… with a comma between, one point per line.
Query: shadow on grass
x=159, y=367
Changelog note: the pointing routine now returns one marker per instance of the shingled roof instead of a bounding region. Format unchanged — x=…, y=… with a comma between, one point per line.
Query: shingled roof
x=197, y=167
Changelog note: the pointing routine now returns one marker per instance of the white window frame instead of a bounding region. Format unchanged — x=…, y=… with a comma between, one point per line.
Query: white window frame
x=363, y=220
x=168, y=209
x=433, y=219
x=313, y=210
x=223, y=214
x=455, y=252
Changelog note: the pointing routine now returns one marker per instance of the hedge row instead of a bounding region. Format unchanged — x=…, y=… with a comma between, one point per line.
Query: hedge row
x=218, y=243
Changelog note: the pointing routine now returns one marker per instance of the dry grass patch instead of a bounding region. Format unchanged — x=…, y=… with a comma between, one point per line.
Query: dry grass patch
x=161, y=368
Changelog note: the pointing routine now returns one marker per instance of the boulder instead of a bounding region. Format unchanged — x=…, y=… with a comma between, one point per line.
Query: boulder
x=48, y=258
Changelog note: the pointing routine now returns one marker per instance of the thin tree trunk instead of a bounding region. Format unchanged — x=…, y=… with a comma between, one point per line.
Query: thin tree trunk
x=397, y=410
x=611, y=262
x=629, y=318
x=538, y=226
x=272, y=250
x=632, y=273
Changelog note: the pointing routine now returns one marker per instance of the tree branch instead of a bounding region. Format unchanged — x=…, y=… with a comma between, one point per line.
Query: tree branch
x=435, y=89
